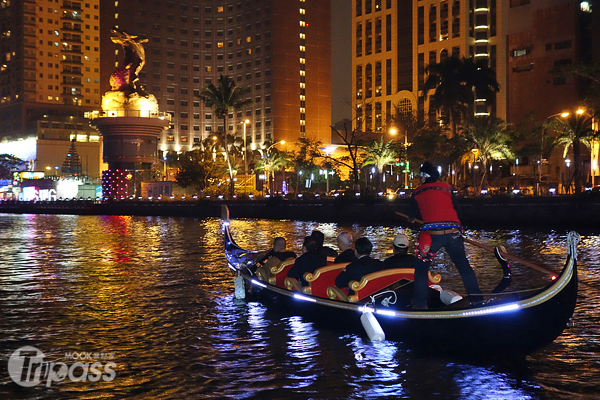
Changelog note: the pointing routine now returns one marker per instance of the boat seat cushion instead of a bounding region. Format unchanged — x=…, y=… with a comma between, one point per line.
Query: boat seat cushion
x=377, y=281
x=279, y=272
x=321, y=279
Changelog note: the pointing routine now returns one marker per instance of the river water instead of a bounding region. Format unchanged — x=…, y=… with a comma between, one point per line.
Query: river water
x=154, y=297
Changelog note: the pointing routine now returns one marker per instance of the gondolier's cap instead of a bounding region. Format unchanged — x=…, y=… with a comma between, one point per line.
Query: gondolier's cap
x=401, y=241
x=429, y=170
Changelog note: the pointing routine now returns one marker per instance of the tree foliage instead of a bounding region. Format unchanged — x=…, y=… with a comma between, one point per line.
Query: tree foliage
x=456, y=82
x=573, y=131
x=489, y=140
x=9, y=162
x=354, y=140
x=197, y=169
x=380, y=154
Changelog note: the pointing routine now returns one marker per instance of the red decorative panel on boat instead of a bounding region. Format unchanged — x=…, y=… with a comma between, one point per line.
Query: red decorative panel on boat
x=280, y=273
x=322, y=278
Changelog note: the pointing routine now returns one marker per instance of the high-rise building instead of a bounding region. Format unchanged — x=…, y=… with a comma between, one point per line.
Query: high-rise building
x=522, y=40
x=281, y=49
x=395, y=40
x=382, y=54
x=49, y=77
x=541, y=36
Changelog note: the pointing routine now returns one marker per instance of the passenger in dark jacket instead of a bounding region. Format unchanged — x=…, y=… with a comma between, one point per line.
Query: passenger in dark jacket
x=364, y=264
x=309, y=261
x=344, y=241
x=401, y=258
x=320, y=238
x=280, y=249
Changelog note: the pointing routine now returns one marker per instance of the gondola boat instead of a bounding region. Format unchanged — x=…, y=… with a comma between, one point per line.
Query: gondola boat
x=504, y=323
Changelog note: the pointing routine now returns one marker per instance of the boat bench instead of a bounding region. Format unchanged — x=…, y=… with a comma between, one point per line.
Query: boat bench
x=318, y=281
x=374, y=282
x=274, y=271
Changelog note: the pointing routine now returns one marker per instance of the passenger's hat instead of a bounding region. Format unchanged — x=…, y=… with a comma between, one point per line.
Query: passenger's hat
x=428, y=170
x=401, y=240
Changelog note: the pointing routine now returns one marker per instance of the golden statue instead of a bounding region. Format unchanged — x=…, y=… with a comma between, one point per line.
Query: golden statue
x=125, y=78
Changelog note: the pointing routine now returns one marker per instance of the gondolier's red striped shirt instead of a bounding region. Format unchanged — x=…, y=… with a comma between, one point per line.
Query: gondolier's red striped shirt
x=435, y=203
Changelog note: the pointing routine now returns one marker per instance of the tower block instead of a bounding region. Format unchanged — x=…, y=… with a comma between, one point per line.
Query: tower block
x=130, y=125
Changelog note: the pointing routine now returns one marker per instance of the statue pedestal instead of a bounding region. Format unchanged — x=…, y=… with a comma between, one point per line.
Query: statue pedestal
x=130, y=148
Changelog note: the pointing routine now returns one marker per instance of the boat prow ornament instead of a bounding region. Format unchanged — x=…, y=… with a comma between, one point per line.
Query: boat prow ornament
x=505, y=323
x=573, y=239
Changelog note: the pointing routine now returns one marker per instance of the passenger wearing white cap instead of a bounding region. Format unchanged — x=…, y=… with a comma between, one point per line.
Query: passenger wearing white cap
x=401, y=258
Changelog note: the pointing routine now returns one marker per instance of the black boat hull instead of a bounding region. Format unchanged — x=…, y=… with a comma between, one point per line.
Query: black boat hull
x=514, y=324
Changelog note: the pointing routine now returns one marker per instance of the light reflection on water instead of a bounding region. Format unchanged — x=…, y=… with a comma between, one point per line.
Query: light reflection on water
x=157, y=293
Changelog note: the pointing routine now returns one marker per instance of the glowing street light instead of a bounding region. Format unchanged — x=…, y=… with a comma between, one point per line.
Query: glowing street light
x=246, y=122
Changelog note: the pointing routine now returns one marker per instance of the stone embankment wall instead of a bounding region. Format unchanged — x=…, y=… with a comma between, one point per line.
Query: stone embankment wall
x=543, y=212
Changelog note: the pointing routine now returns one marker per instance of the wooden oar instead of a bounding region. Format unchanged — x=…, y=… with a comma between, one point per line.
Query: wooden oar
x=490, y=248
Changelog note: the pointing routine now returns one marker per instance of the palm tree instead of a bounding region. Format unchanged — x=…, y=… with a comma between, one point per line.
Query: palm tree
x=480, y=80
x=573, y=131
x=456, y=82
x=271, y=163
x=380, y=154
x=224, y=97
x=489, y=141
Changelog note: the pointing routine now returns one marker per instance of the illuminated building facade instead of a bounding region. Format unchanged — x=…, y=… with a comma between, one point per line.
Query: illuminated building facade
x=523, y=40
x=49, y=77
x=393, y=41
x=281, y=49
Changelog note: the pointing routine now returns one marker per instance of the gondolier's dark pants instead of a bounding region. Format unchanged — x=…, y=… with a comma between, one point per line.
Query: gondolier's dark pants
x=454, y=246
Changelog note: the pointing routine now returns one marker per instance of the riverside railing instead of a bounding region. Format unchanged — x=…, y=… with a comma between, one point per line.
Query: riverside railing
x=127, y=112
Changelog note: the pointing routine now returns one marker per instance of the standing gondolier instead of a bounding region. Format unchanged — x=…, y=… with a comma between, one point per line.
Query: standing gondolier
x=440, y=212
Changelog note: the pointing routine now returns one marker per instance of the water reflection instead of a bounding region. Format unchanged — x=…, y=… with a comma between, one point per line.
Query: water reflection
x=157, y=293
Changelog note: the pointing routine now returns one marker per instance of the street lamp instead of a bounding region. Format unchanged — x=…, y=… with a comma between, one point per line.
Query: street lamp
x=246, y=122
x=568, y=188
x=393, y=132
x=328, y=152
x=594, y=150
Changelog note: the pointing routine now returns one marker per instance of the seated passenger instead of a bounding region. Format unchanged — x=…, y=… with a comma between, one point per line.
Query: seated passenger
x=309, y=261
x=362, y=266
x=320, y=239
x=280, y=249
x=275, y=257
x=344, y=241
x=401, y=258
